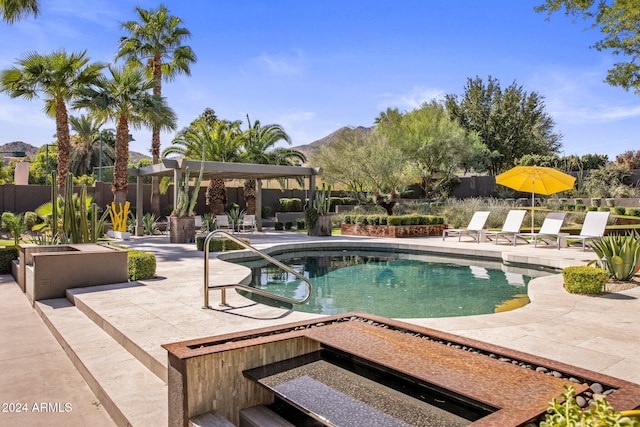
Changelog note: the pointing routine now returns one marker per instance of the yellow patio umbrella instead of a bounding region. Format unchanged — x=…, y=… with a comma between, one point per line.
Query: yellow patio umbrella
x=537, y=180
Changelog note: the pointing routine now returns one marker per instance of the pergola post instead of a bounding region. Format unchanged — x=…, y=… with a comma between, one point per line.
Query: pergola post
x=259, y=204
x=139, y=231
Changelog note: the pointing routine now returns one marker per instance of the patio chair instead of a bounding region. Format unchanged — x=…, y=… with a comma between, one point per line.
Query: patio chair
x=222, y=222
x=473, y=230
x=549, y=231
x=593, y=227
x=510, y=228
x=247, y=221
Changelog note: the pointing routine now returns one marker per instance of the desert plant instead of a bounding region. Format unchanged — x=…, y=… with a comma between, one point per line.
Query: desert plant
x=150, y=224
x=584, y=279
x=236, y=215
x=186, y=203
x=567, y=413
x=618, y=255
x=14, y=224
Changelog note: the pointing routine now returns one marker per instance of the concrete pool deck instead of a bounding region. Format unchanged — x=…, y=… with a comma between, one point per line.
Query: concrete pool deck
x=127, y=323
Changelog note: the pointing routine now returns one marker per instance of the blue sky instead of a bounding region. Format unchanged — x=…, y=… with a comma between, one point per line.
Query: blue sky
x=314, y=67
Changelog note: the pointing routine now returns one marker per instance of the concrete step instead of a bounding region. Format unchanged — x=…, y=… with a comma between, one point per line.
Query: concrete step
x=131, y=393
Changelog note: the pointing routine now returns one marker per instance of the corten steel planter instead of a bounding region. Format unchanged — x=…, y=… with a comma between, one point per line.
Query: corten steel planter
x=182, y=229
x=397, y=231
x=322, y=227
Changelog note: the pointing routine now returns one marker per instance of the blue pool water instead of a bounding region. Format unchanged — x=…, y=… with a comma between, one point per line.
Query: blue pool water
x=393, y=284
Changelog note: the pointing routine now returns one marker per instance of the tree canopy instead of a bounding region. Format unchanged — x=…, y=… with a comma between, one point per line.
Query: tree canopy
x=619, y=22
x=510, y=122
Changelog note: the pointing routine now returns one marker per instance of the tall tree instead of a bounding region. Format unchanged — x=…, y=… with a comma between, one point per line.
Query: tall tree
x=510, y=122
x=619, y=22
x=85, y=144
x=259, y=147
x=155, y=42
x=434, y=146
x=57, y=77
x=124, y=99
x=221, y=140
x=14, y=10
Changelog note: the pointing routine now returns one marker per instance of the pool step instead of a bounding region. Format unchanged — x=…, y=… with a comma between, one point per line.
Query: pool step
x=260, y=415
x=130, y=393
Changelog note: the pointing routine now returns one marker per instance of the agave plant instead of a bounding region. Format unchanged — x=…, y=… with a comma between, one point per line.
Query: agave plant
x=619, y=255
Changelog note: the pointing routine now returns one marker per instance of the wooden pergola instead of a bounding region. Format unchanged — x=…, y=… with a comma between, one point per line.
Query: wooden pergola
x=177, y=168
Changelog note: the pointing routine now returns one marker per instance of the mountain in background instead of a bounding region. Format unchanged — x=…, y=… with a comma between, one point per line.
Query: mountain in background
x=307, y=149
x=31, y=151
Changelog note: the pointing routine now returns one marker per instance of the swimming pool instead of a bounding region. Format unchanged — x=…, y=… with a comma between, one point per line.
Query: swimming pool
x=393, y=284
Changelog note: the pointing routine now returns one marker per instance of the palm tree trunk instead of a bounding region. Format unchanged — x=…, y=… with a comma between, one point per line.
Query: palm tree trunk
x=155, y=138
x=120, y=183
x=62, y=134
x=216, y=196
x=250, y=196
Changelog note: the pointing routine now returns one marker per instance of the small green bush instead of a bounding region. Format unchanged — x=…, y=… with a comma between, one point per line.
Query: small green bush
x=580, y=207
x=591, y=208
x=7, y=255
x=394, y=220
x=618, y=210
x=288, y=225
x=279, y=226
x=290, y=205
x=220, y=245
x=584, y=279
x=141, y=265
x=300, y=225
x=632, y=211
x=603, y=209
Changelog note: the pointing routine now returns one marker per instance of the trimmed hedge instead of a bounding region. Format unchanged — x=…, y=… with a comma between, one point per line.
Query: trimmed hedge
x=7, y=255
x=290, y=204
x=412, y=219
x=585, y=279
x=141, y=265
x=219, y=245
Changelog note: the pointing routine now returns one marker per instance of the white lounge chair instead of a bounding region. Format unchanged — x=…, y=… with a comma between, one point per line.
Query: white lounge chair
x=473, y=230
x=222, y=222
x=549, y=231
x=593, y=227
x=510, y=228
x=247, y=221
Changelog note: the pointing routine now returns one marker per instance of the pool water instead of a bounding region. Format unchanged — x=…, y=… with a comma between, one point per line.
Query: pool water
x=393, y=285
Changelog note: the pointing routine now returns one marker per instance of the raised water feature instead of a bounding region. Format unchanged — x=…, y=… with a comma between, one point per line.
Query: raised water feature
x=47, y=271
x=354, y=367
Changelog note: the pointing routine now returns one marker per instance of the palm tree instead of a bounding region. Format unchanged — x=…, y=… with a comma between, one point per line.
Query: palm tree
x=85, y=144
x=155, y=42
x=14, y=10
x=258, y=145
x=56, y=77
x=125, y=100
x=221, y=140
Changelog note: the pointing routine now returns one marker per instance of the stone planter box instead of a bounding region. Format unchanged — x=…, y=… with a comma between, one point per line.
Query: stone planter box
x=182, y=229
x=393, y=230
x=47, y=271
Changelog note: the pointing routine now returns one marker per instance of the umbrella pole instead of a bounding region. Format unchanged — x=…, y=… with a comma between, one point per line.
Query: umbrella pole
x=533, y=204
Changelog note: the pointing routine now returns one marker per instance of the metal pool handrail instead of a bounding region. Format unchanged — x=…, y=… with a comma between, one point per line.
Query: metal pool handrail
x=223, y=288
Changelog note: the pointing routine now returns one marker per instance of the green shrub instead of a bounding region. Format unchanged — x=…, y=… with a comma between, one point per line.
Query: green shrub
x=266, y=210
x=300, y=225
x=603, y=209
x=288, y=225
x=580, y=207
x=30, y=219
x=220, y=245
x=584, y=279
x=290, y=205
x=141, y=265
x=618, y=210
x=7, y=255
x=279, y=226
x=394, y=220
x=591, y=208
x=596, y=201
x=632, y=211
x=384, y=220
x=361, y=220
